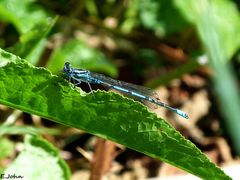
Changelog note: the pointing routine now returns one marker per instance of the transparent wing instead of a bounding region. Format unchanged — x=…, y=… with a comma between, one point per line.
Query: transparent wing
x=147, y=92
x=132, y=87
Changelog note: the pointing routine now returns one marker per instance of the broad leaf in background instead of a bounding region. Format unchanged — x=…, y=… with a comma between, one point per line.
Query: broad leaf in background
x=225, y=21
x=39, y=160
x=24, y=14
x=105, y=114
x=32, y=22
x=32, y=43
x=80, y=55
x=6, y=147
x=161, y=16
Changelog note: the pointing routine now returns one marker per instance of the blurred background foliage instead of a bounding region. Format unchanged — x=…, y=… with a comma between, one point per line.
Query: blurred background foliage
x=188, y=50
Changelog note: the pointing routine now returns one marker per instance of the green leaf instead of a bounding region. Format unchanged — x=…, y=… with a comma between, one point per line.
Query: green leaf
x=80, y=55
x=161, y=16
x=33, y=42
x=131, y=19
x=218, y=24
x=105, y=114
x=24, y=14
x=225, y=20
x=33, y=24
x=39, y=160
x=11, y=129
x=6, y=147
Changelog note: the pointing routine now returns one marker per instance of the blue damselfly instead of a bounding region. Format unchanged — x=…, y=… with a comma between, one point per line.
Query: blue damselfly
x=140, y=92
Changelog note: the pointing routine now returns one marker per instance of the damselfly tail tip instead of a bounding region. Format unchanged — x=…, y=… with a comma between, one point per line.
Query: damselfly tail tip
x=181, y=113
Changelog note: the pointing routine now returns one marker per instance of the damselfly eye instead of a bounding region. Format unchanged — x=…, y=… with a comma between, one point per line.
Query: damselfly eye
x=67, y=67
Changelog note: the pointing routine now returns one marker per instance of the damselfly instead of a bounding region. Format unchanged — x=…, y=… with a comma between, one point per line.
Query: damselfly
x=142, y=93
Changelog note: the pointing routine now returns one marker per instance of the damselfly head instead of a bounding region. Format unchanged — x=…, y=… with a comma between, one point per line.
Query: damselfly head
x=67, y=68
